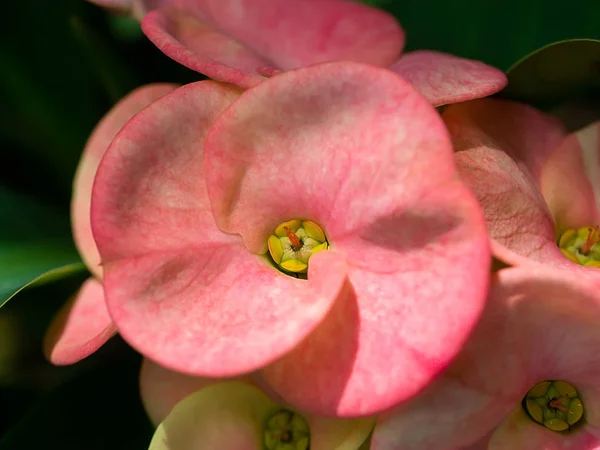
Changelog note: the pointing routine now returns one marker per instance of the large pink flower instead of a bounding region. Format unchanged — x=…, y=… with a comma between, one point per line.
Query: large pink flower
x=193, y=186
x=242, y=42
x=534, y=181
x=83, y=324
x=539, y=325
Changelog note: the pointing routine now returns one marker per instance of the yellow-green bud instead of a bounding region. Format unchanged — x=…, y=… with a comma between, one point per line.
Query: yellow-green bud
x=581, y=245
x=286, y=430
x=554, y=404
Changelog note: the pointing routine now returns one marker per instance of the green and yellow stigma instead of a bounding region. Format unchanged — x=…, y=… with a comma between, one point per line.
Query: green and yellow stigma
x=286, y=430
x=554, y=404
x=294, y=242
x=580, y=245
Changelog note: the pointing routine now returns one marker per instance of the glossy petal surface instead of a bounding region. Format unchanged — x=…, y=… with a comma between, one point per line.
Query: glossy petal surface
x=443, y=78
x=346, y=145
x=81, y=326
x=229, y=40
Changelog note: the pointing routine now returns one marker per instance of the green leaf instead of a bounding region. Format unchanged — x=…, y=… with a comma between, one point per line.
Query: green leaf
x=496, y=33
x=35, y=245
x=100, y=409
x=556, y=74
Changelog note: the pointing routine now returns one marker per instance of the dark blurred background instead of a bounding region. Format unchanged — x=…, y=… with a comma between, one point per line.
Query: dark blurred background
x=63, y=64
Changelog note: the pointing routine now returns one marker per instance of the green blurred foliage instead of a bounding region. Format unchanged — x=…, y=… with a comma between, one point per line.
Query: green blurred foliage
x=63, y=64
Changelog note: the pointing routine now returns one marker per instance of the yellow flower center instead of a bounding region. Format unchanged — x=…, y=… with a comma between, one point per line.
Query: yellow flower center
x=554, y=404
x=286, y=430
x=294, y=242
x=580, y=245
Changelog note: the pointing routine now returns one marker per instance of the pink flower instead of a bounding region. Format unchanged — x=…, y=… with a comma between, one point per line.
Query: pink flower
x=83, y=325
x=539, y=324
x=236, y=414
x=191, y=188
x=538, y=185
x=242, y=42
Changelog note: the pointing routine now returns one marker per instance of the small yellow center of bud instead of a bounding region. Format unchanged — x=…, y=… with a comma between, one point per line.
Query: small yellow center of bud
x=294, y=242
x=554, y=404
x=286, y=430
x=580, y=245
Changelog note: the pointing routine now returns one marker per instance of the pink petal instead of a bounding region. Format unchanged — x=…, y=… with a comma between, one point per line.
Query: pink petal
x=526, y=134
x=519, y=432
x=161, y=389
x=570, y=179
x=217, y=311
x=183, y=293
x=516, y=214
x=443, y=78
x=81, y=326
x=94, y=150
x=342, y=144
x=134, y=8
x=230, y=40
x=538, y=324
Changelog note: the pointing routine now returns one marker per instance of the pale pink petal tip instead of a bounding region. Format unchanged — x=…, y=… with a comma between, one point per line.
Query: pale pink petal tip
x=229, y=40
x=444, y=79
x=80, y=328
x=93, y=152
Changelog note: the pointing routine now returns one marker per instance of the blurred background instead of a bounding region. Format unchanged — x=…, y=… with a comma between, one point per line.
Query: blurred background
x=63, y=65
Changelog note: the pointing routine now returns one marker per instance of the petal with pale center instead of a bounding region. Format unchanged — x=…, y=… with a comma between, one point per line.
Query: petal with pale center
x=230, y=40
x=443, y=78
x=81, y=326
x=180, y=291
x=357, y=150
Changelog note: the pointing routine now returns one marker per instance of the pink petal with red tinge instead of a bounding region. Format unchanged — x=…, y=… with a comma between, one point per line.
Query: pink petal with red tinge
x=94, y=150
x=539, y=324
x=358, y=151
x=181, y=292
x=570, y=179
x=80, y=328
x=443, y=78
x=529, y=136
x=229, y=40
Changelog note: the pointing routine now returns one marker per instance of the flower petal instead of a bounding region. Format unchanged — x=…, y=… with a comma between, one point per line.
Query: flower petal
x=443, y=78
x=230, y=40
x=227, y=415
x=538, y=324
x=217, y=311
x=94, y=150
x=81, y=326
x=342, y=144
x=526, y=134
x=570, y=179
x=519, y=432
x=161, y=389
x=516, y=214
x=134, y=8
x=148, y=193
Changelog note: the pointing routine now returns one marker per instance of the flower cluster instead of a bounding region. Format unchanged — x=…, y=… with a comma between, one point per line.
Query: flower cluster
x=301, y=246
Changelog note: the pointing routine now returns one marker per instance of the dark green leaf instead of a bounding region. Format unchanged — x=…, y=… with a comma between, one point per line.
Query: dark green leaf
x=35, y=245
x=558, y=74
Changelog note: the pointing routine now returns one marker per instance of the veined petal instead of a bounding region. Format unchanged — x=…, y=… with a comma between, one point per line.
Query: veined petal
x=81, y=326
x=529, y=136
x=230, y=40
x=93, y=152
x=342, y=144
x=443, y=78
x=149, y=195
x=570, y=179
x=217, y=310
